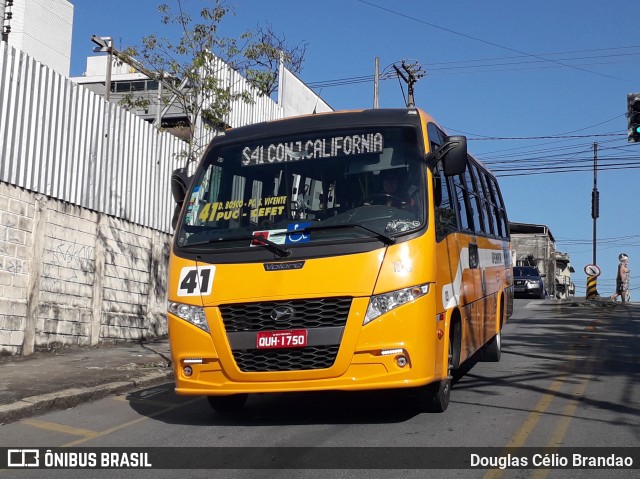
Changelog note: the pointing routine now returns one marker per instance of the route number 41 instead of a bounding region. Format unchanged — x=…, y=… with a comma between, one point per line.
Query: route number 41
x=196, y=281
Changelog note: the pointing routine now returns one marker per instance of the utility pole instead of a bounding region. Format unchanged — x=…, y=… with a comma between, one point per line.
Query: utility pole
x=595, y=199
x=413, y=73
x=592, y=270
x=376, y=84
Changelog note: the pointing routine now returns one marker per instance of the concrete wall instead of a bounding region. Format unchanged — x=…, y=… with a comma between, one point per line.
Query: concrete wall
x=71, y=276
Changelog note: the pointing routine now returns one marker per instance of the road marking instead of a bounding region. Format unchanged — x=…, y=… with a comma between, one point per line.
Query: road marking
x=151, y=402
x=52, y=426
x=131, y=423
x=569, y=410
x=562, y=426
x=520, y=436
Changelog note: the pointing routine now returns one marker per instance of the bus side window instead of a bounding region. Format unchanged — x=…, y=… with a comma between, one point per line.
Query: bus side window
x=462, y=203
x=501, y=214
x=473, y=207
x=475, y=197
x=489, y=219
x=490, y=209
x=445, y=215
x=489, y=203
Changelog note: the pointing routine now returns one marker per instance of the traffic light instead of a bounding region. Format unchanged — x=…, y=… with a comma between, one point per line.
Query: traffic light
x=633, y=117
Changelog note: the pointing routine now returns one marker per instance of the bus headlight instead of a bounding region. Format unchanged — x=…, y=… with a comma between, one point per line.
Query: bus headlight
x=191, y=314
x=383, y=303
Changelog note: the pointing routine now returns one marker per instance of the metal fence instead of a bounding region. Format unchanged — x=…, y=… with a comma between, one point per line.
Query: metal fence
x=260, y=108
x=64, y=141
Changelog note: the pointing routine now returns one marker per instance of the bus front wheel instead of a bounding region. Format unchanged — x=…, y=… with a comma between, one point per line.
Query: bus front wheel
x=234, y=402
x=438, y=393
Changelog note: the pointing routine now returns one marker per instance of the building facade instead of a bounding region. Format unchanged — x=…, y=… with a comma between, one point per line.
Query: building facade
x=41, y=29
x=294, y=97
x=534, y=245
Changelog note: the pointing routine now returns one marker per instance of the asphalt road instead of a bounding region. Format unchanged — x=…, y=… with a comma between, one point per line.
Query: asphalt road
x=568, y=377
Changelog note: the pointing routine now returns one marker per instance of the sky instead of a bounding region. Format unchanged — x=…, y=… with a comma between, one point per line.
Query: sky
x=533, y=85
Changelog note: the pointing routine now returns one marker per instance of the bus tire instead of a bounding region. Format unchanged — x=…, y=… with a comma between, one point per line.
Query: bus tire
x=232, y=403
x=439, y=393
x=438, y=396
x=493, y=349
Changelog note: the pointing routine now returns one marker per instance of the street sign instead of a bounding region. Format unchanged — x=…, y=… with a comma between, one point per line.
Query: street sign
x=592, y=270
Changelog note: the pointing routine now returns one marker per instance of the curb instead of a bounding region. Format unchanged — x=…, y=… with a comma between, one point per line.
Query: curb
x=67, y=398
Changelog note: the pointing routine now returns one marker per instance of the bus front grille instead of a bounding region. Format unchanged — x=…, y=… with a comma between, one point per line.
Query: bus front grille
x=306, y=314
x=323, y=318
x=297, y=359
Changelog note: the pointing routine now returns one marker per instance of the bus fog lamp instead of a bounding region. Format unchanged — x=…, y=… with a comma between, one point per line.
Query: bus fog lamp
x=187, y=371
x=389, y=352
x=193, y=361
x=401, y=361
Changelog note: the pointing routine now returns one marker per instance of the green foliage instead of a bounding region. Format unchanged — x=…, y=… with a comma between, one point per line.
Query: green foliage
x=187, y=65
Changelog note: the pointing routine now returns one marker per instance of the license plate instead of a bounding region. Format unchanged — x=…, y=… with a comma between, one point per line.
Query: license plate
x=290, y=338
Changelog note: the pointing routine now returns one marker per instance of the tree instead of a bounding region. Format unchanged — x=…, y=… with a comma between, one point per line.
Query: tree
x=188, y=67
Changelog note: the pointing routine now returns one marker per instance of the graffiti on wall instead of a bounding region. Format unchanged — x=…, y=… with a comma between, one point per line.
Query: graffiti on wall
x=66, y=261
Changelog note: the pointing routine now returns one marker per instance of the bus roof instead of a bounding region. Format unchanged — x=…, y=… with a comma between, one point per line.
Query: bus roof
x=381, y=117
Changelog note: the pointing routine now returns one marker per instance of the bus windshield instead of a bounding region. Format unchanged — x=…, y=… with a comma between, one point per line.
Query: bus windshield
x=311, y=187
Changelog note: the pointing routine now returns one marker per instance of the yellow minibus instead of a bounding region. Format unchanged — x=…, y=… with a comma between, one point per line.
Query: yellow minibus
x=353, y=250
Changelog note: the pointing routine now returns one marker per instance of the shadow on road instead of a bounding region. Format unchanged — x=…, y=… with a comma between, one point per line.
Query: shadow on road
x=573, y=342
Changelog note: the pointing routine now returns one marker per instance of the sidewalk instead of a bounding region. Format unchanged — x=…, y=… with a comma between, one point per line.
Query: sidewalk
x=61, y=379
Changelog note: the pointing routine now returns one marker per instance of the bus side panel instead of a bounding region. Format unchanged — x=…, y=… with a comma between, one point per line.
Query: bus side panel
x=471, y=277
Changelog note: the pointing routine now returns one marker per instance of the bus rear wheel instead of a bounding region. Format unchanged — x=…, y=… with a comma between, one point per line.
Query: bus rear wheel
x=493, y=350
x=232, y=403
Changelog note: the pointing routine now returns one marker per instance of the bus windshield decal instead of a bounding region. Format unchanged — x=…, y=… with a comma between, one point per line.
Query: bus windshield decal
x=313, y=149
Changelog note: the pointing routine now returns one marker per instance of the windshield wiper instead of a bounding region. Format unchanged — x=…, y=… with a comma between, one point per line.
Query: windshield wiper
x=388, y=240
x=260, y=240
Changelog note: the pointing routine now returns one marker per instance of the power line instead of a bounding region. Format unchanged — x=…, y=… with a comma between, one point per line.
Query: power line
x=558, y=135
x=548, y=137
x=543, y=54
x=448, y=30
x=559, y=170
x=466, y=64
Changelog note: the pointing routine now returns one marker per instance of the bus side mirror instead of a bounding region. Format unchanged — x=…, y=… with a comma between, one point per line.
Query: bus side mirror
x=453, y=155
x=180, y=182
